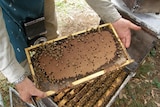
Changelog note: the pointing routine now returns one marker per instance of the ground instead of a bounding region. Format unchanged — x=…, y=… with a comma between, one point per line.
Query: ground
x=142, y=91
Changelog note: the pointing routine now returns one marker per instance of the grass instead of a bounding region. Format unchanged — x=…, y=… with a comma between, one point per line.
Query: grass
x=156, y=83
x=142, y=89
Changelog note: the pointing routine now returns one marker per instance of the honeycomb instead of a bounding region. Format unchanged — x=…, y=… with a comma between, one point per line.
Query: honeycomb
x=79, y=56
x=58, y=63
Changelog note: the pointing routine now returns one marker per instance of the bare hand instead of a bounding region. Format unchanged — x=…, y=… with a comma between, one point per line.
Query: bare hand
x=27, y=89
x=123, y=27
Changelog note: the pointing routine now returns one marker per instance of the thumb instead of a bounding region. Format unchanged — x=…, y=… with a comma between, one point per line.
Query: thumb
x=134, y=27
x=39, y=93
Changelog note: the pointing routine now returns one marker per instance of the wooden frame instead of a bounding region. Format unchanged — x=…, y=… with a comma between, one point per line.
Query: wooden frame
x=127, y=58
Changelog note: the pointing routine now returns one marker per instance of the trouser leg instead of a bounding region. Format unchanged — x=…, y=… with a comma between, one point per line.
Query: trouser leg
x=50, y=19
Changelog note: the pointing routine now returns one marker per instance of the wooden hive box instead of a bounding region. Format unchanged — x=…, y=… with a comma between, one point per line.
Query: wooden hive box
x=95, y=93
x=77, y=58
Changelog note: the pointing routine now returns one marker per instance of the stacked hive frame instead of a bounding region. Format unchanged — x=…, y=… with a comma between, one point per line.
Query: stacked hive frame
x=95, y=93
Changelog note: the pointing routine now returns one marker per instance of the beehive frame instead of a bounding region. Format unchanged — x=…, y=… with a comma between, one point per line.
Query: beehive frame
x=121, y=61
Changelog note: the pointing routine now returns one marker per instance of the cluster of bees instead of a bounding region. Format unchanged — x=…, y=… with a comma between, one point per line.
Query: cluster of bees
x=75, y=57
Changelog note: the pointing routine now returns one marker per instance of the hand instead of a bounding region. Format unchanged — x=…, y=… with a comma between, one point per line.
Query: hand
x=123, y=27
x=27, y=89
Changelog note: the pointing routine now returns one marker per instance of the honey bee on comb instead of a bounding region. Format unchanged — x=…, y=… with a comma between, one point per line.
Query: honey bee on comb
x=77, y=56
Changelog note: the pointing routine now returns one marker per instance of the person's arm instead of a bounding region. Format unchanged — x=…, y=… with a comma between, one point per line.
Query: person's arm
x=11, y=69
x=8, y=63
x=105, y=9
x=109, y=14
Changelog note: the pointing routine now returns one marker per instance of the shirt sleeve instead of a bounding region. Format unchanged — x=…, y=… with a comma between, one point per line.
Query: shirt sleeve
x=105, y=9
x=9, y=66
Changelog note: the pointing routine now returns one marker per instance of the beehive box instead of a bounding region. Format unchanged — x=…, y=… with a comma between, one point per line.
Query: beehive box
x=94, y=93
x=75, y=59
